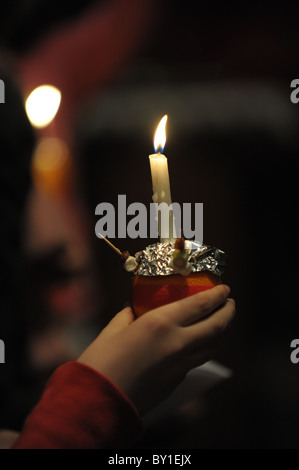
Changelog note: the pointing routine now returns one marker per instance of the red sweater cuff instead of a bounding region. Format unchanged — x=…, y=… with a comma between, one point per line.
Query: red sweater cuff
x=80, y=409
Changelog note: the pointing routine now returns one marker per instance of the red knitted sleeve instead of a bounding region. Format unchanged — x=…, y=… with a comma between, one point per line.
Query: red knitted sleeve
x=80, y=409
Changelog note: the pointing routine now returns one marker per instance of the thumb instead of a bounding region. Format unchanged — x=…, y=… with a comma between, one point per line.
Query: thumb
x=118, y=323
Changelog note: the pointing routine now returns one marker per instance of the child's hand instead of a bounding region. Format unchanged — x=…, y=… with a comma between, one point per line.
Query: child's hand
x=147, y=358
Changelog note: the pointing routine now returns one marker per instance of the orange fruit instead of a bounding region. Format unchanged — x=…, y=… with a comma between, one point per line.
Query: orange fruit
x=149, y=292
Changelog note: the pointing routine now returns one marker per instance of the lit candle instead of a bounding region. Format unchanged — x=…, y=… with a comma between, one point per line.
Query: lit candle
x=161, y=184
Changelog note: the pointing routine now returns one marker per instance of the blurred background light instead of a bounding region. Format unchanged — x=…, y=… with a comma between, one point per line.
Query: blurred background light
x=42, y=105
x=50, y=164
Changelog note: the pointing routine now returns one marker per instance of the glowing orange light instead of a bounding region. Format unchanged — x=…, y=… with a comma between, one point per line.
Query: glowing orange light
x=51, y=164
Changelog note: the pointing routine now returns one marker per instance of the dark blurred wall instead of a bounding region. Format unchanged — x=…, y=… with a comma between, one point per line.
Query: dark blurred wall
x=223, y=76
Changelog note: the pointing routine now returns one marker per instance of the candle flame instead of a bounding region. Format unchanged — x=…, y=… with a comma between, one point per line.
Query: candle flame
x=160, y=135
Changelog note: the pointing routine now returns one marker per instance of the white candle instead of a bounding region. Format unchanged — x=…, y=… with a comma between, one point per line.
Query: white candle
x=161, y=183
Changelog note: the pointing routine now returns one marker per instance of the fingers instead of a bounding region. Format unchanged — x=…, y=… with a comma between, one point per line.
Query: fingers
x=211, y=327
x=196, y=307
x=121, y=320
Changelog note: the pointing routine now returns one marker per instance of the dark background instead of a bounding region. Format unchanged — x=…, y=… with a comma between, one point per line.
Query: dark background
x=223, y=76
